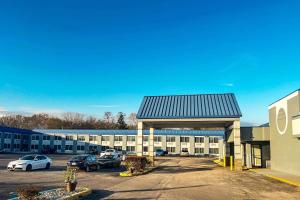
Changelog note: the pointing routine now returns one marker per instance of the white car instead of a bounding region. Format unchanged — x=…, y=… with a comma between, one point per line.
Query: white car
x=109, y=152
x=30, y=162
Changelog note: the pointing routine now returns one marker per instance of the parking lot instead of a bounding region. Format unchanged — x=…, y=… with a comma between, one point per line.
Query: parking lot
x=175, y=178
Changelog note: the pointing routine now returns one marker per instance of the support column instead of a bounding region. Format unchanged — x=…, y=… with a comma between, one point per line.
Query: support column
x=206, y=145
x=248, y=156
x=192, y=145
x=139, y=144
x=237, y=146
x=151, y=144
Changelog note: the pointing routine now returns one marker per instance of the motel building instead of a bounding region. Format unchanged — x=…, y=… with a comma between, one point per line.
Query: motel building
x=196, y=142
x=170, y=123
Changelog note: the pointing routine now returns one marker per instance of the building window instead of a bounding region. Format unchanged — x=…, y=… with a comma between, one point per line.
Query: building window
x=213, y=139
x=103, y=148
x=145, y=138
x=57, y=147
x=170, y=138
x=34, y=146
x=130, y=148
x=157, y=138
x=46, y=137
x=105, y=138
x=69, y=147
x=57, y=137
x=6, y=146
x=199, y=139
x=171, y=149
x=25, y=137
x=69, y=137
x=118, y=148
x=7, y=136
x=35, y=137
x=184, y=139
x=46, y=147
x=199, y=150
x=118, y=138
x=80, y=147
x=213, y=150
x=92, y=148
x=17, y=137
x=145, y=149
x=80, y=138
x=17, y=146
x=131, y=138
x=93, y=138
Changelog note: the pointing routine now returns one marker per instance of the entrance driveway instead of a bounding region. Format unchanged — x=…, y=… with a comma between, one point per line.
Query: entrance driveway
x=199, y=178
x=176, y=178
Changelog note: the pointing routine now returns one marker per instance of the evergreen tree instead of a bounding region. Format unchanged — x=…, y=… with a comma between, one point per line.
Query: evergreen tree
x=121, y=121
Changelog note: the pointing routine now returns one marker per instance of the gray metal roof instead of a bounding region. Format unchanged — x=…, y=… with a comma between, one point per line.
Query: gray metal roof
x=133, y=132
x=189, y=106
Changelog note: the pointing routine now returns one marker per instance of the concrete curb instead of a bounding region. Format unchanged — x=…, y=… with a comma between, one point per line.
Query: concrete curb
x=86, y=192
x=219, y=162
x=277, y=178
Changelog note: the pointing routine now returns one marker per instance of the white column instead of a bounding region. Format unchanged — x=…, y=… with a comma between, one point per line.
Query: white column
x=139, y=145
x=151, y=143
x=237, y=146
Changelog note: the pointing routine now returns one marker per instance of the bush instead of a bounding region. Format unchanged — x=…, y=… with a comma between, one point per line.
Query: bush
x=136, y=163
x=28, y=192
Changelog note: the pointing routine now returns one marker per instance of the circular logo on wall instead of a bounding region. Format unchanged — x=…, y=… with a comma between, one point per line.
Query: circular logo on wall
x=281, y=120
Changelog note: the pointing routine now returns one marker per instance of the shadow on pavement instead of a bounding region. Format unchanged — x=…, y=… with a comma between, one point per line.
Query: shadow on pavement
x=178, y=169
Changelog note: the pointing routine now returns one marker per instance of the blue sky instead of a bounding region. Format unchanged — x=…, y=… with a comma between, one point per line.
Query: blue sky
x=96, y=56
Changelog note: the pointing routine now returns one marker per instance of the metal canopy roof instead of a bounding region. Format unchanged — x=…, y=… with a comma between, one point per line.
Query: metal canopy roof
x=189, y=106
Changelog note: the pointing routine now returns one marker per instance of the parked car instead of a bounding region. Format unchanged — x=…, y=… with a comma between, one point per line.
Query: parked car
x=122, y=155
x=160, y=152
x=185, y=152
x=30, y=162
x=86, y=162
x=108, y=152
x=109, y=161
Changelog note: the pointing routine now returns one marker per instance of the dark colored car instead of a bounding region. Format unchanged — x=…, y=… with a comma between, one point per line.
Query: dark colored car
x=109, y=161
x=160, y=152
x=86, y=162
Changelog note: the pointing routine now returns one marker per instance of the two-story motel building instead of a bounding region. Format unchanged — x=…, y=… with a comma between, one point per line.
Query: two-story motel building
x=196, y=142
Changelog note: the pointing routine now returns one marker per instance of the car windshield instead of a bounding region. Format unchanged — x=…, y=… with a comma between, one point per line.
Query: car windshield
x=159, y=150
x=109, y=150
x=107, y=157
x=76, y=158
x=27, y=158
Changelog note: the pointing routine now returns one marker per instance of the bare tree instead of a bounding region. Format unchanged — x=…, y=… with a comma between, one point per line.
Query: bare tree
x=132, y=121
x=108, y=117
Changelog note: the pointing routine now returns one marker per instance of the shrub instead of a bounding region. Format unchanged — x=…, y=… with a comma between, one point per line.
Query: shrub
x=70, y=175
x=28, y=192
x=136, y=163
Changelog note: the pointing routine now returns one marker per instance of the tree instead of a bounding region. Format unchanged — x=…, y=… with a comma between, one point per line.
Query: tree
x=121, y=121
x=132, y=121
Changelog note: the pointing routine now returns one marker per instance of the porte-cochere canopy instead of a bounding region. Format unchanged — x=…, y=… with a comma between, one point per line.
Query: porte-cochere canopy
x=189, y=106
x=191, y=111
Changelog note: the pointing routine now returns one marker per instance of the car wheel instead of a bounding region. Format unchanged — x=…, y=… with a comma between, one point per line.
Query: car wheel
x=48, y=166
x=87, y=169
x=29, y=167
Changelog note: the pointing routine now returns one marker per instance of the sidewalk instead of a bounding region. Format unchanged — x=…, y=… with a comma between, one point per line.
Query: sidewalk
x=280, y=176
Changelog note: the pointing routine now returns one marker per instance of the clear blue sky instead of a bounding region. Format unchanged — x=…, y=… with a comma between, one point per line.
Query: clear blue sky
x=96, y=56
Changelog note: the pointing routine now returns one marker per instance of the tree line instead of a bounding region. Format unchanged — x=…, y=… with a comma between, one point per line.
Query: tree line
x=69, y=120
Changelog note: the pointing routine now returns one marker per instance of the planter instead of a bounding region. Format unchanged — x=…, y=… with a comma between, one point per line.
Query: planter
x=70, y=187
